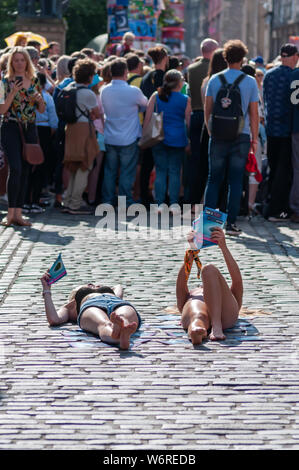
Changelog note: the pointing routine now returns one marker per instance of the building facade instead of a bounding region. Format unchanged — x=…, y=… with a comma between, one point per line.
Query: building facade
x=249, y=20
x=285, y=23
x=195, y=24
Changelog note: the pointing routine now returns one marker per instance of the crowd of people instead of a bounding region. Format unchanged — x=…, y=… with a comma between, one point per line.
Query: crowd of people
x=88, y=111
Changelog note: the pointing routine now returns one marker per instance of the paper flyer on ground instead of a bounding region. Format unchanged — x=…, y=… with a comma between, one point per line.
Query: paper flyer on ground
x=57, y=270
x=204, y=225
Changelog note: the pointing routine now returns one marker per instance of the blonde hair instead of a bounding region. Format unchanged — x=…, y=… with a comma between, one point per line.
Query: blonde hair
x=29, y=72
x=128, y=35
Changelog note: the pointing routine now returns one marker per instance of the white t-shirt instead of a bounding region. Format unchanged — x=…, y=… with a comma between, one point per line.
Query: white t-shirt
x=86, y=101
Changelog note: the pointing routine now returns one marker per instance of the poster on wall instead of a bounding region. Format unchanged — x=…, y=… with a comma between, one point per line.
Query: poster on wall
x=138, y=16
x=173, y=33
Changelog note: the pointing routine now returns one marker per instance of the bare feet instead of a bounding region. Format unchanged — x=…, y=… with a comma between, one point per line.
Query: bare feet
x=118, y=324
x=23, y=222
x=121, y=331
x=217, y=335
x=125, y=335
x=197, y=334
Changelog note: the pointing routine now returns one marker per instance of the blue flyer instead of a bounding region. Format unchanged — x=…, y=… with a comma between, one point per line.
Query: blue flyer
x=204, y=225
x=57, y=270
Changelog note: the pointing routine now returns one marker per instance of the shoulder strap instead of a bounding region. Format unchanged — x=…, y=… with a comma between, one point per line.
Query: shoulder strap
x=132, y=78
x=238, y=80
x=78, y=107
x=223, y=79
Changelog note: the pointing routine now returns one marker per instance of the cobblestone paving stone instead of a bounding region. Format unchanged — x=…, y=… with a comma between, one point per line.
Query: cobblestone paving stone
x=63, y=389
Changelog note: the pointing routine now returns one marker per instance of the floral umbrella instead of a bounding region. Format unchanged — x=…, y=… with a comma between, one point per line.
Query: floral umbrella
x=11, y=40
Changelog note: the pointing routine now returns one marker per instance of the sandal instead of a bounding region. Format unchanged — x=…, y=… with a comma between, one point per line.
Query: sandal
x=5, y=223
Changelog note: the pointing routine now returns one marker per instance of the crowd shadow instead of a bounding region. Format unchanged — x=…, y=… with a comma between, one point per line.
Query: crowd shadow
x=131, y=223
x=46, y=237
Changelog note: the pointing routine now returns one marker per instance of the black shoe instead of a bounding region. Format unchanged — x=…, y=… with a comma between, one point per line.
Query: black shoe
x=232, y=229
x=279, y=217
x=44, y=203
x=36, y=209
x=26, y=209
x=58, y=204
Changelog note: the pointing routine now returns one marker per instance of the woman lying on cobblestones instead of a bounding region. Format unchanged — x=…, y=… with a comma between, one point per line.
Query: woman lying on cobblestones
x=213, y=306
x=97, y=309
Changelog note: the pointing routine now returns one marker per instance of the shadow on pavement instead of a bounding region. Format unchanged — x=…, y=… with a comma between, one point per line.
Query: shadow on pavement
x=241, y=332
x=46, y=237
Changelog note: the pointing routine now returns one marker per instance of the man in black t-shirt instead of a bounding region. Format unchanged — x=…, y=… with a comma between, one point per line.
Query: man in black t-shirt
x=150, y=83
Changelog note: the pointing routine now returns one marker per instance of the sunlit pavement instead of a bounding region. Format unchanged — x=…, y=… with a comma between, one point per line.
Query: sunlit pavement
x=63, y=389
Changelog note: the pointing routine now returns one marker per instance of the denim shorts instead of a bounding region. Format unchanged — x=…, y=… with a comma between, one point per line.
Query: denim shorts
x=108, y=303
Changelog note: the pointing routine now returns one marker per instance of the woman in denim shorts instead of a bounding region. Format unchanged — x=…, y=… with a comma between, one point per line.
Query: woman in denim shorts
x=97, y=309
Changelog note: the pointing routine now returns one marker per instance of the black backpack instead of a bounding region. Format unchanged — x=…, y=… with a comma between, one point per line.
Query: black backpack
x=66, y=104
x=227, y=120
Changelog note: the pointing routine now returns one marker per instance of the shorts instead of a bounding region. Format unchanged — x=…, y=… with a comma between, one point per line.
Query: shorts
x=108, y=303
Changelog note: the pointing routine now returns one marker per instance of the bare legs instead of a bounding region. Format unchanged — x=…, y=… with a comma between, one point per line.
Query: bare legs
x=217, y=308
x=116, y=330
x=222, y=306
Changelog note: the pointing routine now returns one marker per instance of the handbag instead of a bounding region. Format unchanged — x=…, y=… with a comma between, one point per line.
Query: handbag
x=154, y=132
x=32, y=153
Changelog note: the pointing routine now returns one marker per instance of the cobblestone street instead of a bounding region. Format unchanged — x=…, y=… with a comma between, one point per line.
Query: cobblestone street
x=64, y=389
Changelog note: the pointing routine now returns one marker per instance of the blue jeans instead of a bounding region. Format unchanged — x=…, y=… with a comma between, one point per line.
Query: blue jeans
x=124, y=158
x=233, y=156
x=168, y=163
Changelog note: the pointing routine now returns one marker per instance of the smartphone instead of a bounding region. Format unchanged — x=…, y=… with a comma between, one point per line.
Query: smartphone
x=19, y=80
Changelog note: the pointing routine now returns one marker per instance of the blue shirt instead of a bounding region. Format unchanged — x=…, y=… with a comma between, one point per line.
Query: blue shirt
x=277, y=101
x=174, y=119
x=248, y=89
x=295, y=95
x=49, y=117
x=121, y=103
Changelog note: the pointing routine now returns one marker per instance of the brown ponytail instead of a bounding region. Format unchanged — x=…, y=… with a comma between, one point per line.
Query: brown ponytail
x=170, y=82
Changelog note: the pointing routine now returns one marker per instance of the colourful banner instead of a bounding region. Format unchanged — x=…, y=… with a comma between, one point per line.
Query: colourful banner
x=138, y=16
x=173, y=33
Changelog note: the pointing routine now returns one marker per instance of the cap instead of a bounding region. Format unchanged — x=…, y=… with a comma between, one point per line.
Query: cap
x=95, y=81
x=288, y=50
x=258, y=60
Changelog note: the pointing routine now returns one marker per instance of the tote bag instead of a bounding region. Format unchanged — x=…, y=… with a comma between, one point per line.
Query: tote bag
x=154, y=132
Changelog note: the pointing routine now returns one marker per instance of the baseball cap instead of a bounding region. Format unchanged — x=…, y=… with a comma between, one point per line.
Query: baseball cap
x=95, y=81
x=288, y=50
x=258, y=60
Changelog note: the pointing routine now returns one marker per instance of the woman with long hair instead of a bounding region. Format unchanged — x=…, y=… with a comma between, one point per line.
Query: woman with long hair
x=168, y=154
x=22, y=97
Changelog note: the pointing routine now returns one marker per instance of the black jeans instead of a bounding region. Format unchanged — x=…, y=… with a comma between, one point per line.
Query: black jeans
x=39, y=174
x=59, y=143
x=19, y=170
x=279, y=153
x=192, y=190
x=147, y=165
